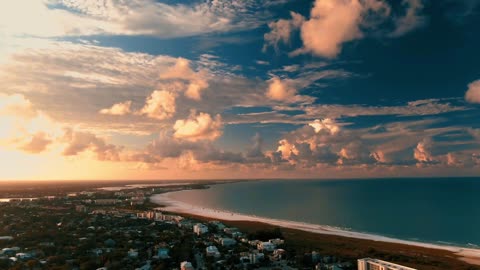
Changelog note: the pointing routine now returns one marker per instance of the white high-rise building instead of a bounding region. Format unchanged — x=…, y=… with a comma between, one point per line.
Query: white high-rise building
x=374, y=264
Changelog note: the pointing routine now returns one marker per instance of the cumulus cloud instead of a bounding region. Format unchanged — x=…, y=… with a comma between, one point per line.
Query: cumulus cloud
x=355, y=153
x=335, y=22
x=79, y=141
x=160, y=105
x=473, y=93
x=37, y=143
x=280, y=90
x=182, y=70
x=187, y=154
x=200, y=126
x=24, y=127
x=331, y=23
x=325, y=124
x=463, y=160
x=320, y=142
x=121, y=108
x=422, y=152
x=16, y=104
x=281, y=30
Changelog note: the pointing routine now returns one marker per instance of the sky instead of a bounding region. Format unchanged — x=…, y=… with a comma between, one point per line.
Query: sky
x=223, y=89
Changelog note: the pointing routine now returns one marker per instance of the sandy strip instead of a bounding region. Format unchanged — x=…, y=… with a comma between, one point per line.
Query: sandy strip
x=468, y=255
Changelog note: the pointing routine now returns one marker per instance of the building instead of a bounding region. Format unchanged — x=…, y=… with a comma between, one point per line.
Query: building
x=199, y=229
x=266, y=246
x=220, y=226
x=106, y=201
x=132, y=253
x=212, y=251
x=256, y=257
x=163, y=253
x=278, y=254
x=186, y=266
x=228, y=242
x=146, y=215
x=230, y=231
x=374, y=264
x=81, y=208
x=277, y=242
x=159, y=216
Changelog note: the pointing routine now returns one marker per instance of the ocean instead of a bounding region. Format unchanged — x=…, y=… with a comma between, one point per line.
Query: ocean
x=432, y=210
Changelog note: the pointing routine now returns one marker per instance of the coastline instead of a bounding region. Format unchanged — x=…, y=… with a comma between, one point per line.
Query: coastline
x=469, y=255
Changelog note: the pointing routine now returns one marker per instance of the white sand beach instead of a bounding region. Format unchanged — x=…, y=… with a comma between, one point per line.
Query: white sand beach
x=469, y=255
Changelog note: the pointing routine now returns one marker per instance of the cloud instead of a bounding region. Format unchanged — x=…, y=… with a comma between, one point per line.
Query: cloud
x=24, y=127
x=355, y=153
x=28, y=129
x=79, y=141
x=121, y=108
x=186, y=154
x=285, y=90
x=262, y=63
x=422, y=152
x=331, y=23
x=37, y=144
x=182, y=70
x=160, y=105
x=280, y=90
x=418, y=107
x=16, y=104
x=319, y=142
x=55, y=18
x=199, y=127
x=463, y=160
x=411, y=20
x=280, y=31
x=335, y=22
x=473, y=93
x=325, y=124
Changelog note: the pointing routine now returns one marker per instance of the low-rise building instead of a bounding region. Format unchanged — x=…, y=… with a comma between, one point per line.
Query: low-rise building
x=256, y=257
x=81, y=208
x=277, y=242
x=186, y=266
x=212, y=251
x=200, y=228
x=230, y=231
x=106, y=201
x=132, y=253
x=228, y=242
x=375, y=264
x=266, y=246
x=278, y=254
x=220, y=226
x=163, y=253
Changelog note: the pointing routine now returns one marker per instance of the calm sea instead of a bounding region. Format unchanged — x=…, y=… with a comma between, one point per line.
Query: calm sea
x=444, y=210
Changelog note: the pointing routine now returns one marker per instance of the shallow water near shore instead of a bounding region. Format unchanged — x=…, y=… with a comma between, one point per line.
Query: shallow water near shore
x=443, y=211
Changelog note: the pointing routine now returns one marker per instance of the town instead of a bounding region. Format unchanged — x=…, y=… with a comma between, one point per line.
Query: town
x=102, y=229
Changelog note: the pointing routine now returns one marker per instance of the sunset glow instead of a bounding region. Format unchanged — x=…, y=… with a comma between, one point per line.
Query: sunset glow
x=150, y=89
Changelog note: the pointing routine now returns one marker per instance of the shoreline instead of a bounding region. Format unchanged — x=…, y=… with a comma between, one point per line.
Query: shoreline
x=469, y=255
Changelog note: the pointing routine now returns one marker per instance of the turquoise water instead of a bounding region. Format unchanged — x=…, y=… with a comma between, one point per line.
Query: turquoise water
x=445, y=211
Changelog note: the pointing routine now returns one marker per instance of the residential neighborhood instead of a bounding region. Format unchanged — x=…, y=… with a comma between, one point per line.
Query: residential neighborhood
x=122, y=230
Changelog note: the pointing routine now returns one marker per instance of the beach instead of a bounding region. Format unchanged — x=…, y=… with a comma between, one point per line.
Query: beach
x=469, y=255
